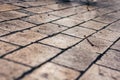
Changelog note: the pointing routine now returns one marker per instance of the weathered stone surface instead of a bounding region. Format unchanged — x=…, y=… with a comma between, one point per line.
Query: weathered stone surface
x=6, y=7
x=10, y=15
x=116, y=45
x=93, y=25
x=15, y=25
x=38, y=9
x=61, y=41
x=49, y=28
x=5, y=48
x=79, y=32
x=111, y=59
x=34, y=54
x=23, y=38
x=3, y=32
x=41, y=18
x=52, y=71
x=10, y=70
x=107, y=35
x=100, y=73
x=67, y=22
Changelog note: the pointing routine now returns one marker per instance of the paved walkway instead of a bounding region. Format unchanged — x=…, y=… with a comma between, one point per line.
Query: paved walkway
x=50, y=40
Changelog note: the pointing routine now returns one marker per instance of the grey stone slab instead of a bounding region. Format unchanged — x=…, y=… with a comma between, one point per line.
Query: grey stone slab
x=116, y=45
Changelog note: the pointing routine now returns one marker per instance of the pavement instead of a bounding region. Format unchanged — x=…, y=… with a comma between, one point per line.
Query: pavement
x=53, y=40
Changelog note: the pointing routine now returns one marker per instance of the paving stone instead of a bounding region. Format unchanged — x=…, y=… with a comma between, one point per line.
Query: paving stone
x=48, y=28
x=11, y=15
x=116, y=45
x=115, y=14
x=67, y=22
x=79, y=32
x=15, y=25
x=107, y=35
x=61, y=41
x=52, y=71
x=111, y=59
x=38, y=9
x=93, y=25
x=6, y=7
x=34, y=54
x=100, y=73
x=78, y=57
x=3, y=32
x=41, y=18
x=5, y=48
x=23, y=38
x=10, y=70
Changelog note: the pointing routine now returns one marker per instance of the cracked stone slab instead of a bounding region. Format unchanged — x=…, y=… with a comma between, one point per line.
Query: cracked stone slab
x=116, y=45
x=39, y=9
x=93, y=25
x=111, y=59
x=107, y=35
x=49, y=28
x=11, y=15
x=6, y=47
x=67, y=22
x=23, y=38
x=6, y=7
x=10, y=70
x=3, y=32
x=79, y=32
x=41, y=18
x=52, y=72
x=61, y=41
x=34, y=54
x=15, y=25
x=100, y=73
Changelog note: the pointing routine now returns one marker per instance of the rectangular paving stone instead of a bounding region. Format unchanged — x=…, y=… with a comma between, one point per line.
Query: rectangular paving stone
x=78, y=57
x=39, y=9
x=41, y=18
x=3, y=32
x=11, y=15
x=100, y=73
x=61, y=41
x=6, y=7
x=34, y=54
x=23, y=38
x=5, y=48
x=107, y=35
x=79, y=32
x=93, y=25
x=67, y=22
x=111, y=59
x=49, y=28
x=116, y=45
x=10, y=70
x=52, y=71
x=15, y=25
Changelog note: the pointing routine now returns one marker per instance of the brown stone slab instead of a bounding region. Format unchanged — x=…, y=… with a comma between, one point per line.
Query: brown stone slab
x=3, y=32
x=116, y=45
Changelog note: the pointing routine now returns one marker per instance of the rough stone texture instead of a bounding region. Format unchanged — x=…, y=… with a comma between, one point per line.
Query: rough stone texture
x=67, y=22
x=111, y=59
x=34, y=54
x=93, y=25
x=6, y=7
x=41, y=18
x=52, y=71
x=11, y=15
x=15, y=25
x=6, y=47
x=3, y=32
x=79, y=32
x=107, y=35
x=49, y=28
x=11, y=70
x=61, y=41
x=100, y=73
x=116, y=45
x=38, y=10
x=23, y=38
